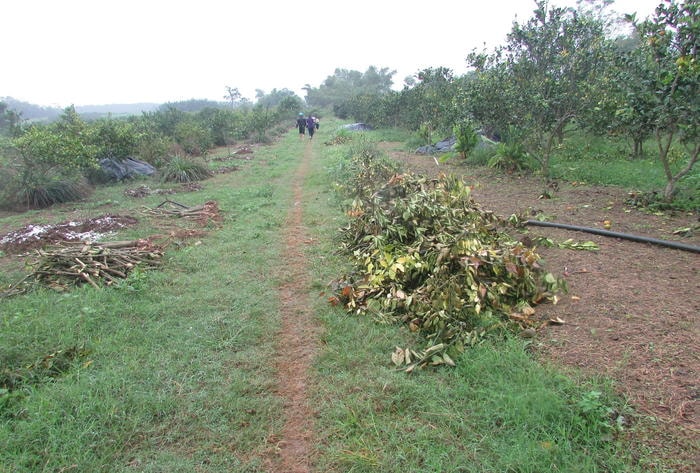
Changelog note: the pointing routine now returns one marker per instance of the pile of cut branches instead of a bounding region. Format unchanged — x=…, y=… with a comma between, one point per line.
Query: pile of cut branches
x=93, y=263
x=202, y=214
x=425, y=254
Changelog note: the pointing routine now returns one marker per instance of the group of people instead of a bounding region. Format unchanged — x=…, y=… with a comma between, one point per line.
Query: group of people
x=311, y=124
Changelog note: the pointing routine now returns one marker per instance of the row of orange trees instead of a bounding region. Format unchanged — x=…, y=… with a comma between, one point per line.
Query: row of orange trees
x=568, y=69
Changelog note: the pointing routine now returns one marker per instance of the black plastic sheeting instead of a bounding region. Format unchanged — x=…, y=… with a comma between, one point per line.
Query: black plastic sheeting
x=440, y=147
x=357, y=127
x=120, y=169
x=625, y=236
x=449, y=144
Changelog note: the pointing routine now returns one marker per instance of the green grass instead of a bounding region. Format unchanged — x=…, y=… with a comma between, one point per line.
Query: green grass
x=177, y=375
x=605, y=161
x=390, y=134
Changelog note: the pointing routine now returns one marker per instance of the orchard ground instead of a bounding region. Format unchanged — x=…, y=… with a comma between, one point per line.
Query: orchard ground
x=631, y=312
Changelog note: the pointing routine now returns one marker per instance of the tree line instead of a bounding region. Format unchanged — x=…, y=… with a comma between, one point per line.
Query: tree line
x=46, y=163
x=563, y=69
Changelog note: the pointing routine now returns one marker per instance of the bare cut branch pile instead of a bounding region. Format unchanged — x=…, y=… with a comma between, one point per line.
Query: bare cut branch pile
x=93, y=263
x=208, y=212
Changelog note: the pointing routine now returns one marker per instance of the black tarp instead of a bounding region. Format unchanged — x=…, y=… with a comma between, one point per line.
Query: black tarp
x=120, y=169
x=357, y=127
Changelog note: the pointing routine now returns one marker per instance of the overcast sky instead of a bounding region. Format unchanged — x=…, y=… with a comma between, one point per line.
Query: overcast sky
x=90, y=52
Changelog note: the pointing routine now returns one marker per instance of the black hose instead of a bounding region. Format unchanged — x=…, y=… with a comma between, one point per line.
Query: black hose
x=626, y=236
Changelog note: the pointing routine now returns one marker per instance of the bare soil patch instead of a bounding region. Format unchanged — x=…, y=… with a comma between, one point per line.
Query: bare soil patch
x=632, y=308
x=33, y=236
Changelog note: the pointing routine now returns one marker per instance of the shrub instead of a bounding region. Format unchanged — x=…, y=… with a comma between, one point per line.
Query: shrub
x=153, y=149
x=114, y=138
x=45, y=166
x=466, y=135
x=193, y=137
x=182, y=169
x=511, y=155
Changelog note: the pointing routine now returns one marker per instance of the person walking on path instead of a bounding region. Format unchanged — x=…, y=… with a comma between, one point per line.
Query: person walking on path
x=301, y=124
x=311, y=126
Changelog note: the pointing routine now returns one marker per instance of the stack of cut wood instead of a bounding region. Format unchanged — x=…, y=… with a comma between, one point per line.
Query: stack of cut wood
x=199, y=213
x=94, y=262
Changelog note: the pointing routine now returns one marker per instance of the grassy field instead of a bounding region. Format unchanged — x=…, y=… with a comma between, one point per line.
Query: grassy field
x=171, y=370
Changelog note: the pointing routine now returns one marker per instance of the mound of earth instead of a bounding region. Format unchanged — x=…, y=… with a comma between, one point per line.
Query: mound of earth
x=33, y=236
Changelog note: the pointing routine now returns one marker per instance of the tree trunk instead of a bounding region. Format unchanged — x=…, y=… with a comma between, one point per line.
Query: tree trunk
x=638, y=151
x=664, y=143
x=670, y=190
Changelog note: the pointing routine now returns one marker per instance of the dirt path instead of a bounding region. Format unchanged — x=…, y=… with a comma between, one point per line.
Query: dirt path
x=296, y=340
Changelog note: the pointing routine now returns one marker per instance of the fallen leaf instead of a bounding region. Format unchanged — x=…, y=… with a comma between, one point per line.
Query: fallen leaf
x=448, y=360
x=528, y=333
x=397, y=357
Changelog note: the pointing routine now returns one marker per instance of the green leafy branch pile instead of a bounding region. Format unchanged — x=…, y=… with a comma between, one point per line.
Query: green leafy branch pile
x=426, y=255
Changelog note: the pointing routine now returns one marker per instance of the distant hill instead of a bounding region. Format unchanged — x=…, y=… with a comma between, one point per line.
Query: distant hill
x=30, y=111
x=33, y=112
x=117, y=109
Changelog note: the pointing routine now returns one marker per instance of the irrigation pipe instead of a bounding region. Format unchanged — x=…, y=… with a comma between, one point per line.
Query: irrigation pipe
x=626, y=236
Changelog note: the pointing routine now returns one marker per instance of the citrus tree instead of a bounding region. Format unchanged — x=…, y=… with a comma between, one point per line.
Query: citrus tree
x=48, y=162
x=543, y=78
x=668, y=94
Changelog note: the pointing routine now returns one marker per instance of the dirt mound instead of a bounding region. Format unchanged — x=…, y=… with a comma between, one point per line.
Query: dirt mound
x=33, y=236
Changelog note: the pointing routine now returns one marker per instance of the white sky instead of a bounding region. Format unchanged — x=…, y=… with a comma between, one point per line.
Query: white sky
x=89, y=52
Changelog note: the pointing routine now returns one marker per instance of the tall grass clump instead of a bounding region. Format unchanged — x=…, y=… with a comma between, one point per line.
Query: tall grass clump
x=184, y=169
x=42, y=192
